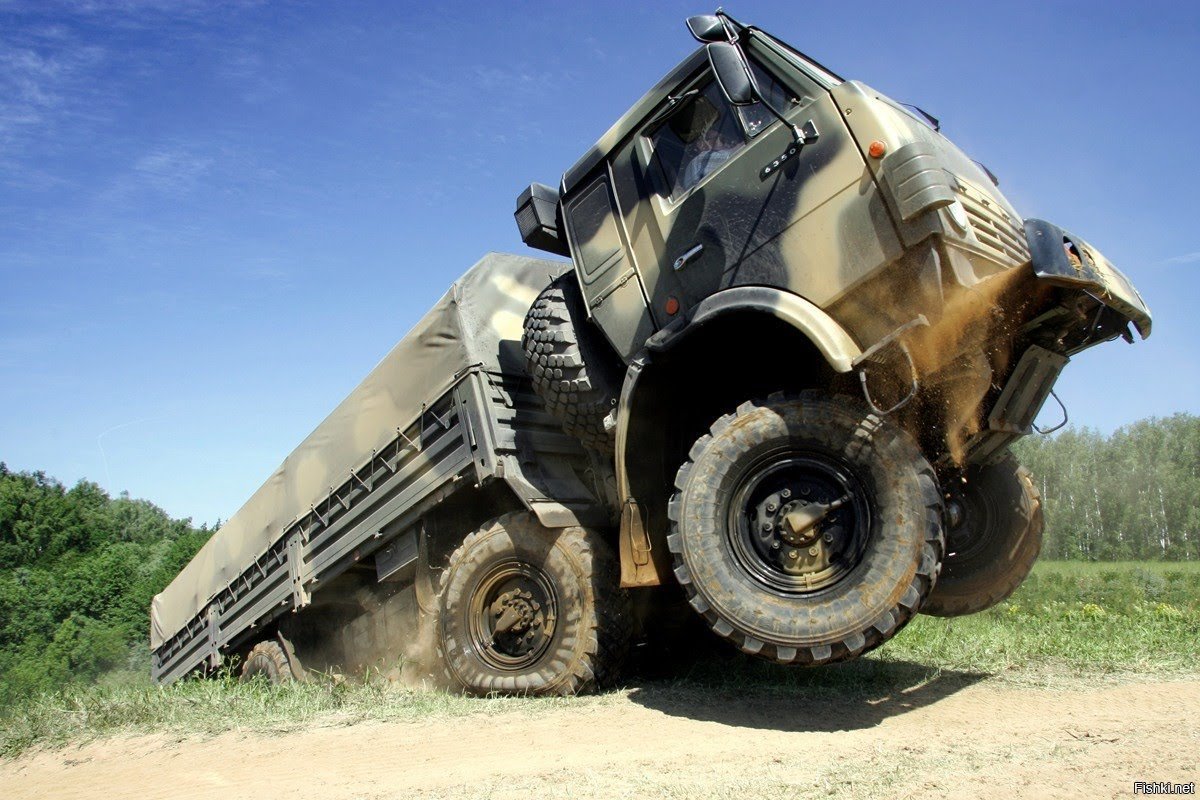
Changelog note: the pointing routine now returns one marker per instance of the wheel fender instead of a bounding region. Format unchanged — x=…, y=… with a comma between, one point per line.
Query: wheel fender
x=829, y=337
x=835, y=344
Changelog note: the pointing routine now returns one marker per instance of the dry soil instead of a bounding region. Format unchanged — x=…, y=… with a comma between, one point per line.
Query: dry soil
x=946, y=738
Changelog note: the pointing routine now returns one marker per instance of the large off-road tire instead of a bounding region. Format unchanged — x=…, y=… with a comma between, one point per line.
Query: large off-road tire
x=806, y=530
x=996, y=540
x=526, y=609
x=269, y=660
x=571, y=371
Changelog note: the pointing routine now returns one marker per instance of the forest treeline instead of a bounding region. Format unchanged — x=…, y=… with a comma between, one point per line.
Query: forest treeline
x=78, y=568
x=1132, y=495
x=77, y=572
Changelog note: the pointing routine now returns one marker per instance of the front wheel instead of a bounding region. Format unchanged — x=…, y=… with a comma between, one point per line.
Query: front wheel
x=994, y=537
x=806, y=530
x=526, y=609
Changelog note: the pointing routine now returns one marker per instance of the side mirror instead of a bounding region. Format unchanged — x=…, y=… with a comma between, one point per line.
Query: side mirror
x=707, y=28
x=733, y=75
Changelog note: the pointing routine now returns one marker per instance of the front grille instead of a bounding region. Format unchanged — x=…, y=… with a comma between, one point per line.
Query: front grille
x=996, y=231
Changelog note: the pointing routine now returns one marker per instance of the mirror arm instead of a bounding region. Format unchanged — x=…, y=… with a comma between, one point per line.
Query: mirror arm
x=798, y=134
x=731, y=25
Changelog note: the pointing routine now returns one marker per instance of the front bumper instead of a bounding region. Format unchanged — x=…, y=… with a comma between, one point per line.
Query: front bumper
x=1062, y=259
x=1091, y=301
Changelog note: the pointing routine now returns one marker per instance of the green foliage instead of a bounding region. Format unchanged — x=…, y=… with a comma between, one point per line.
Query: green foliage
x=1131, y=495
x=77, y=572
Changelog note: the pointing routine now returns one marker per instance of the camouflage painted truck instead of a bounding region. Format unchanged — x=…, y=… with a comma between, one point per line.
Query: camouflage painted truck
x=778, y=379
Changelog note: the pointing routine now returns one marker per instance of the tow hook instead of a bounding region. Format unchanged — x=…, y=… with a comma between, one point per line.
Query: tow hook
x=879, y=354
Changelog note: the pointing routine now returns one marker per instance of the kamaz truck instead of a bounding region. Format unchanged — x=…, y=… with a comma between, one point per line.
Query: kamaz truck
x=778, y=378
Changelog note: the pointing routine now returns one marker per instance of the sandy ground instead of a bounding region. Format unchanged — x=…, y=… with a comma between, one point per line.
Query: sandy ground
x=962, y=739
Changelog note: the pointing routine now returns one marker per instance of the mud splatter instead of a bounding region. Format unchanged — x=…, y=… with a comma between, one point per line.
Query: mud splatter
x=964, y=355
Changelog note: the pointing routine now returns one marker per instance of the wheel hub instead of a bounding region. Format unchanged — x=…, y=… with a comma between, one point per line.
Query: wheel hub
x=512, y=615
x=971, y=518
x=517, y=612
x=799, y=523
x=955, y=514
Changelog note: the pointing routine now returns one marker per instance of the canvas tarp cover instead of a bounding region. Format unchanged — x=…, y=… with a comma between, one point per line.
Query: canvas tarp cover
x=477, y=321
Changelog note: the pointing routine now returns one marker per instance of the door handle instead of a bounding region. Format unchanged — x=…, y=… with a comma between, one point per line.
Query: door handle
x=690, y=255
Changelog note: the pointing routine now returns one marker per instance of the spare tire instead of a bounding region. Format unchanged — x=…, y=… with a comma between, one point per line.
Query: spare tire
x=572, y=371
x=993, y=539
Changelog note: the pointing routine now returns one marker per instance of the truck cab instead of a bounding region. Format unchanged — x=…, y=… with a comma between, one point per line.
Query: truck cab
x=826, y=204
x=758, y=227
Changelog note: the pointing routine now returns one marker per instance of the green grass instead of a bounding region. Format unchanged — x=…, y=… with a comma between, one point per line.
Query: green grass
x=1098, y=618
x=1068, y=620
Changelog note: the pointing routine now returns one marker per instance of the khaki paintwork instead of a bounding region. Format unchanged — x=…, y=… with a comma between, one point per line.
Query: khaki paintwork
x=830, y=244
x=825, y=243
x=477, y=322
x=825, y=230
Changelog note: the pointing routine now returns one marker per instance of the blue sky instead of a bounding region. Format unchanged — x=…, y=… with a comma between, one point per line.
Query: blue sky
x=216, y=217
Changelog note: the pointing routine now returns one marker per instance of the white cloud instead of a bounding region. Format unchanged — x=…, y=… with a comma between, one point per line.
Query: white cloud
x=40, y=85
x=1186, y=258
x=172, y=169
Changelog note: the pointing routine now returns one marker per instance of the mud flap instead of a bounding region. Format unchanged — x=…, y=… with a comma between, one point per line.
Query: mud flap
x=424, y=587
x=637, y=553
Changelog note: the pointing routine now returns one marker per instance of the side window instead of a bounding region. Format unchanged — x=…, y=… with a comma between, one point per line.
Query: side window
x=756, y=117
x=706, y=131
x=695, y=140
x=592, y=217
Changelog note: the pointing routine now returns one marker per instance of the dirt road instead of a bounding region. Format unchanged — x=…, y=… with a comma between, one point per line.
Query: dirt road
x=959, y=738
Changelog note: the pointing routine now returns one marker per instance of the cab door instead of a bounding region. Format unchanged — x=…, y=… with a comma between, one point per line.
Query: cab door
x=707, y=214
x=608, y=276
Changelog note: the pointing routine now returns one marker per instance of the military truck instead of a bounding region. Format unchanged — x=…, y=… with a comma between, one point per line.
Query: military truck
x=778, y=378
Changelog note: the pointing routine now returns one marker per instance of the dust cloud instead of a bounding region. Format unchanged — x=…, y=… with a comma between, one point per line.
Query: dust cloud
x=964, y=354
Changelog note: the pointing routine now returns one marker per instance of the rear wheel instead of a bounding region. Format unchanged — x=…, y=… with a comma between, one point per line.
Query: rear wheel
x=267, y=659
x=806, y=530
x=525, y=609
x=993, y=538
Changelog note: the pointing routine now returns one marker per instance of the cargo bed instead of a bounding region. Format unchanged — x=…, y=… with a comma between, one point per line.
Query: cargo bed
x=449, y=406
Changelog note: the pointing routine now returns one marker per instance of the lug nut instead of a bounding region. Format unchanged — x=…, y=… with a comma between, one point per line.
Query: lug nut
x=793, y=554
x=812, y=551
x=771, y=506
x=786, y=493
x=768, y=526
x=828, y=537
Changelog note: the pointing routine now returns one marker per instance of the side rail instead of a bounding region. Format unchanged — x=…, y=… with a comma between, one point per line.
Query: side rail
x=384, y=495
